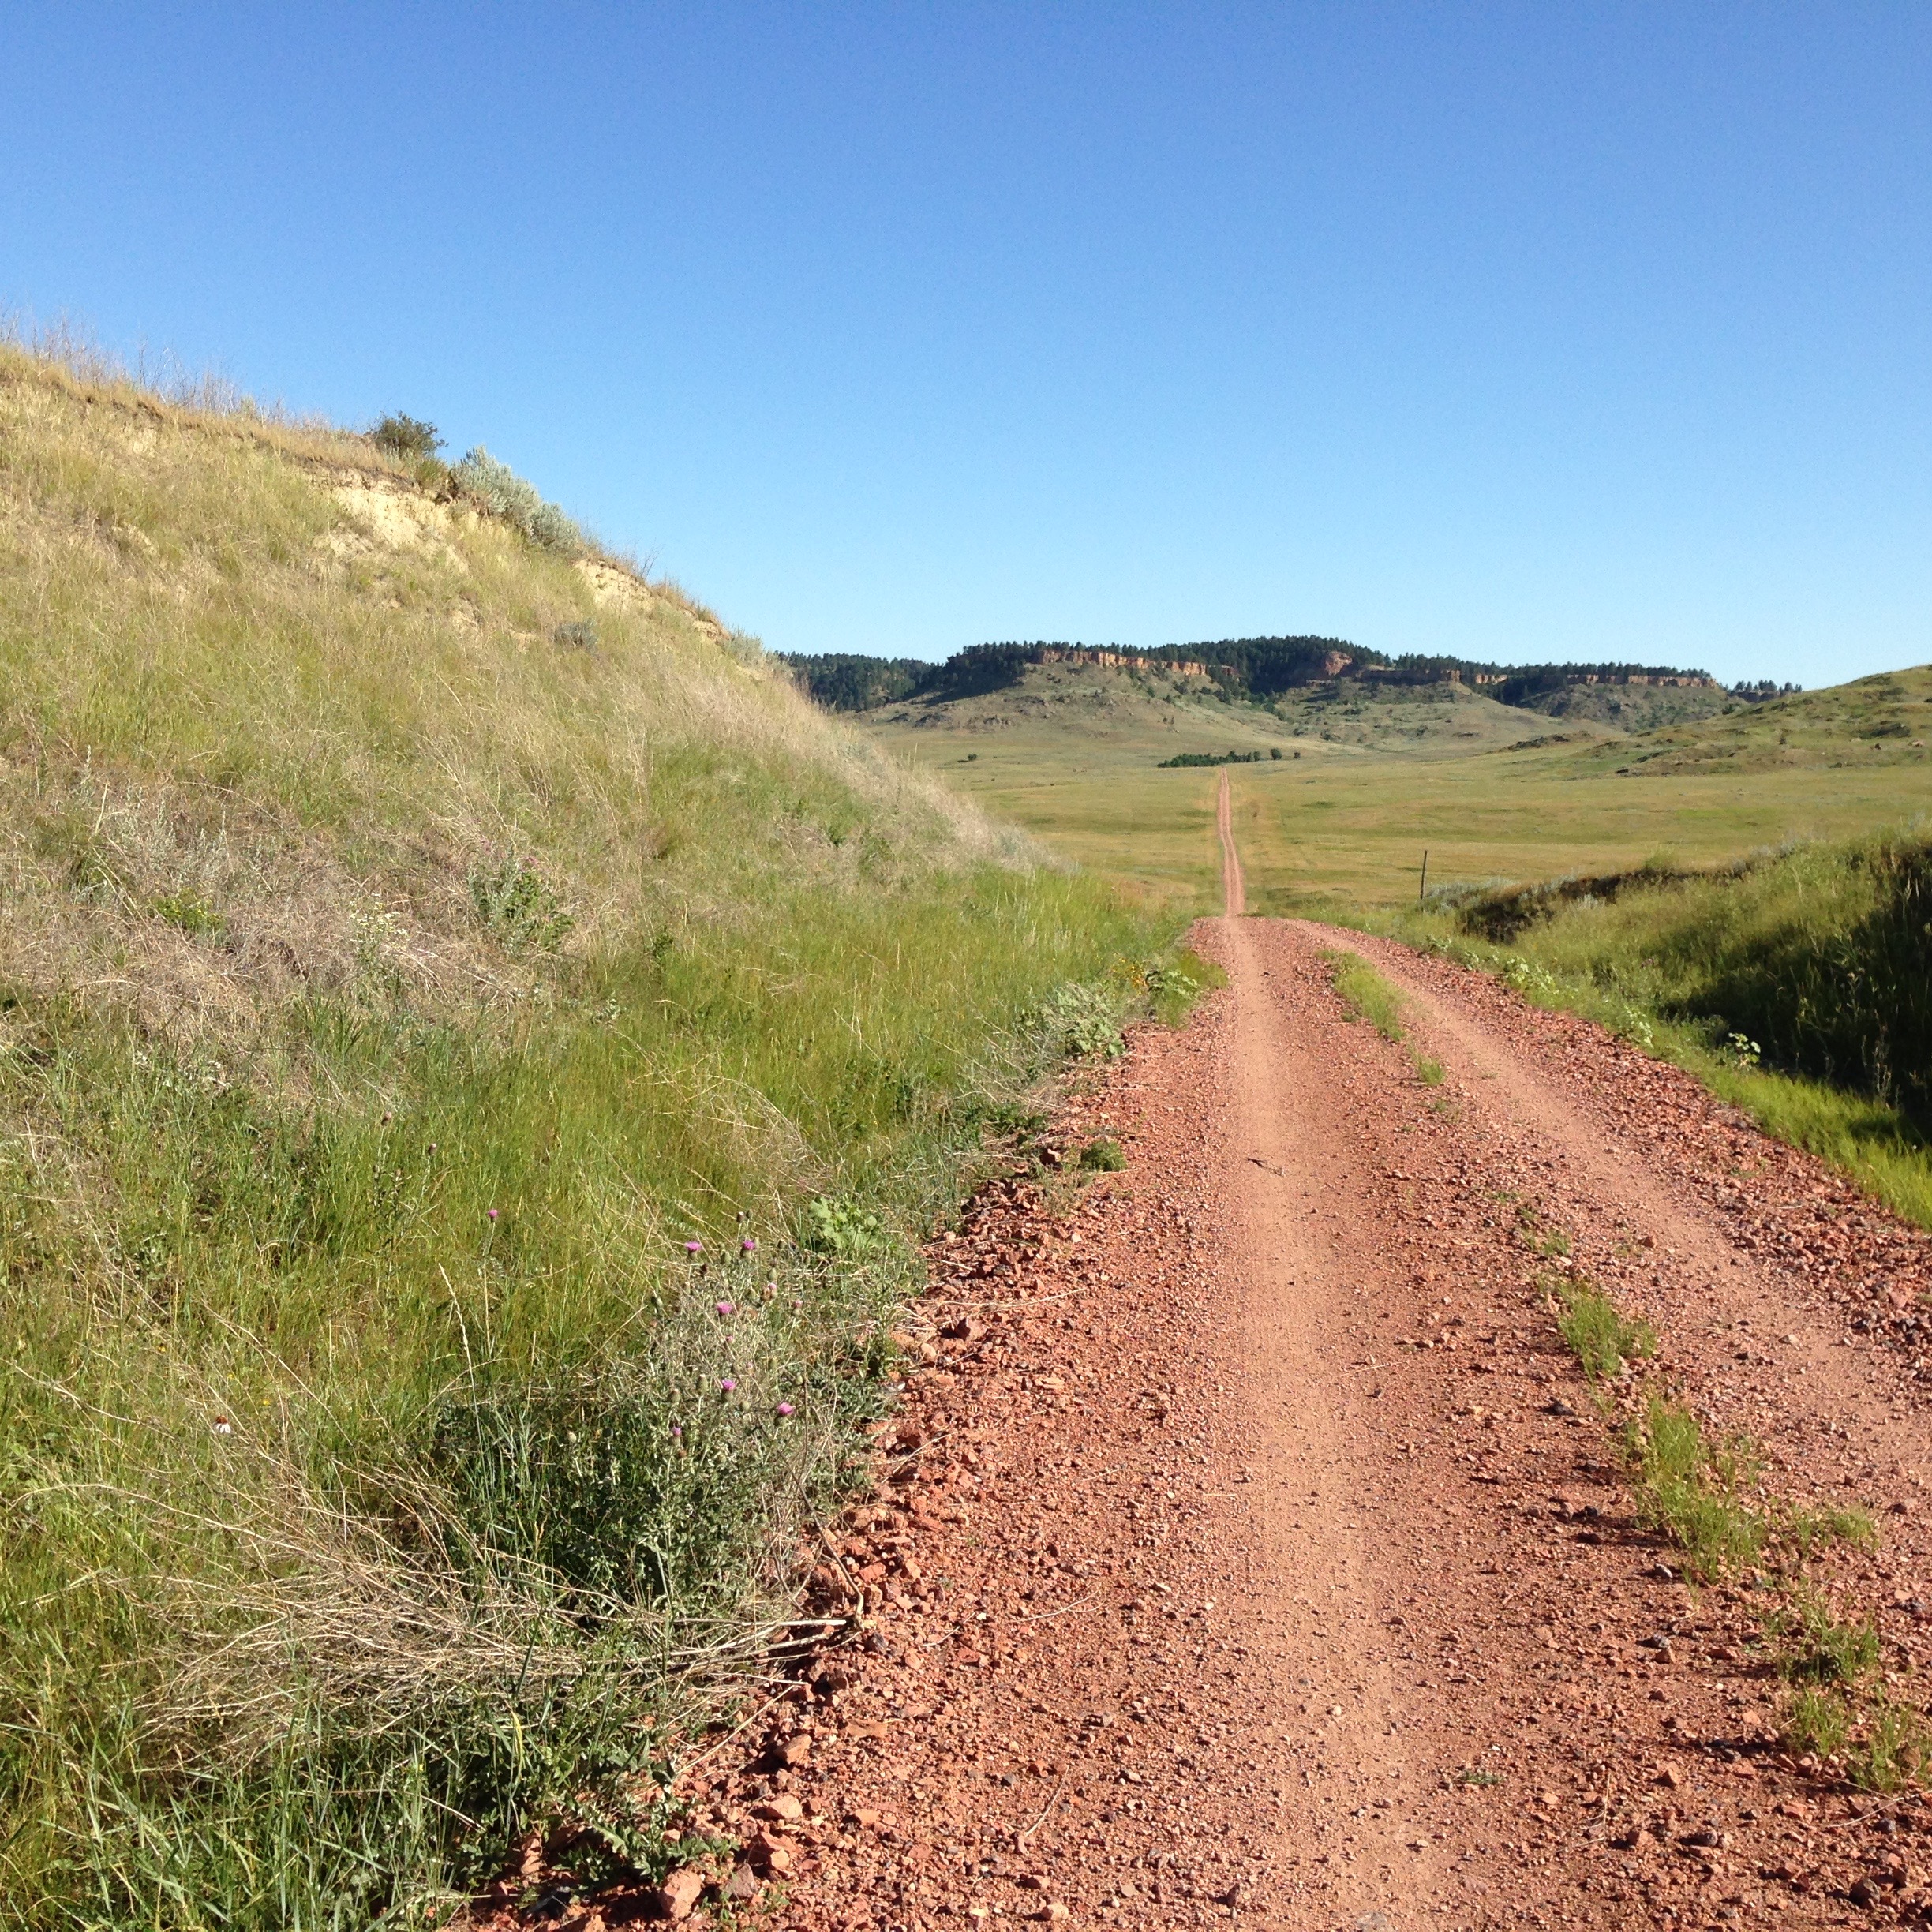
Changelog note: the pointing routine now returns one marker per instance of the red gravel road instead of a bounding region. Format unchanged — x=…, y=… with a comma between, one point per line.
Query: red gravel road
x=1250, y=1549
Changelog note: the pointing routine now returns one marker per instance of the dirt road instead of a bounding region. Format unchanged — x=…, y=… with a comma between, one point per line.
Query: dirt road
x=1250, y=1548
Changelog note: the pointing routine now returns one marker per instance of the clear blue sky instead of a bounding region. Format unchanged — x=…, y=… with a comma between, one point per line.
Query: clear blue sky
x=1521, y=331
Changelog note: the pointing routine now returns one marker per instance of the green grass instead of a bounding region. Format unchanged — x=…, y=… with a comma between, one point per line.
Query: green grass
x=388, y=993
x=1820, y=951
x=1601, y=1337
x=1365, y=994
x=1689, y=1490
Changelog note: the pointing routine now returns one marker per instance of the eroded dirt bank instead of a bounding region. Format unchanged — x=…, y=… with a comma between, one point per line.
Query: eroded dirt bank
x=1253, y=1549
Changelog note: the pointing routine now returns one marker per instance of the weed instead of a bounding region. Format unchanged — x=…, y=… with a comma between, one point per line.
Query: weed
x=1808, y=1531
x=1687, y=1490
x=518, y=904
x=1478, y=1780
x=1103, y=1156
x=1173, y=989
x=1429, y=1072
x=190, y=911
x=838, y=1226
x=1599, y=1334
x=1818, y=1722
x=1813, y=1647
x=1082, y=1021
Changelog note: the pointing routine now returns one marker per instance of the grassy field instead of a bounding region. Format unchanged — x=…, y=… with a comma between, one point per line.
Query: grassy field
x=1347, y=823
x=474, y=1045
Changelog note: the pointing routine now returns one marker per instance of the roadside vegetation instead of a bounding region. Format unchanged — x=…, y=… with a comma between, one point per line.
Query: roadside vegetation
x=476, y=1049
x=1796, y=984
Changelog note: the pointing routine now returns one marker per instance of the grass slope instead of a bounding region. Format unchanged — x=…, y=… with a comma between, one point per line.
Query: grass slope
x=1797, y=983
x=472, y=1040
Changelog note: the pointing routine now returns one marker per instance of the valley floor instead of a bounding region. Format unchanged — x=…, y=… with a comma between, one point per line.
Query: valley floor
x=1252, y=1547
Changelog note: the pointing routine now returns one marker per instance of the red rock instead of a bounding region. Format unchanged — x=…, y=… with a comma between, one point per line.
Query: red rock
x=783, y=1810
x=679, y=1893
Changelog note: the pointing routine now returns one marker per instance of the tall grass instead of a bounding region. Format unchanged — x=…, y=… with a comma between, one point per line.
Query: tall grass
x=1819, y=957
x=389, y=996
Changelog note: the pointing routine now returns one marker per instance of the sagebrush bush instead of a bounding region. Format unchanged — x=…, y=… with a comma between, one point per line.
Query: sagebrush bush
x=502, y=491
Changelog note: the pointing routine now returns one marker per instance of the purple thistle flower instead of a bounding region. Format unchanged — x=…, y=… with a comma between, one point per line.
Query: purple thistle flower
x=784, y=1408
x=677, y=1429
x=728, y=1385
x=726, y=1308
x=748, y=1245
x=492, y=1214
x=693, y=1247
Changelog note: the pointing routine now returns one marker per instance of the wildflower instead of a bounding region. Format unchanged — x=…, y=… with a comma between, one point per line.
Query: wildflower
x=677, y=1429
x=223, y=1426
x=748, y=1245
x=784, y=1408
x=693, y=1247
x=728, y=1385
x=726, y=1308
x=492, y=1214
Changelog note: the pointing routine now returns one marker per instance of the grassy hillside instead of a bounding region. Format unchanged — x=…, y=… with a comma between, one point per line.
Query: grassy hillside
x=473, y=1042
x=1880, y=724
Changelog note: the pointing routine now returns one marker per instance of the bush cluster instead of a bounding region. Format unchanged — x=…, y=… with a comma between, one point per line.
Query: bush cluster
x=504, y=493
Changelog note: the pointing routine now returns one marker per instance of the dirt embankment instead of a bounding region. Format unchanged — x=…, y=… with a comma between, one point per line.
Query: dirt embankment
x=1251, y=1547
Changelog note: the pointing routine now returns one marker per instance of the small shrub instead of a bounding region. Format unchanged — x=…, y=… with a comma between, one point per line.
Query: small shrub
x=578, y=636
x=406, y=436
x=1103, y=1155
x=519, y=905
x=1429, y=1072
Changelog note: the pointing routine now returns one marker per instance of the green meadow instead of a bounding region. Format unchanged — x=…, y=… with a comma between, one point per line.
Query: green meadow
x=1346, y=823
